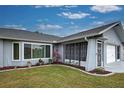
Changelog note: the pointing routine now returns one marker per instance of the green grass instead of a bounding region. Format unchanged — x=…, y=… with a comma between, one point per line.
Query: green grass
x=57, y=76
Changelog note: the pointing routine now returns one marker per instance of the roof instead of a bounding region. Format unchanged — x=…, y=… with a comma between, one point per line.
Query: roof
x=88, y=33
x=16, y=34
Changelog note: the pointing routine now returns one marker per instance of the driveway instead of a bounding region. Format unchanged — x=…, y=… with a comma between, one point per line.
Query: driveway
x=117, y=67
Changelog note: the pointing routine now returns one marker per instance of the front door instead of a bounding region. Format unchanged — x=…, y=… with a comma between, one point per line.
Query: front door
x=99, y=53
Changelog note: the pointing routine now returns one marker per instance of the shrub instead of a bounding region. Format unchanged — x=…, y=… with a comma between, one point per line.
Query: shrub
x=99, y=71
x=29, y=63
x=41, y=62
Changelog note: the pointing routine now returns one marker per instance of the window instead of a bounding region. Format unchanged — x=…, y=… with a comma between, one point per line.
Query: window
x=37, y=51
x=118, y=52
x=47, y=51
x=33, y=51
x=16, y=51
x=27, y=51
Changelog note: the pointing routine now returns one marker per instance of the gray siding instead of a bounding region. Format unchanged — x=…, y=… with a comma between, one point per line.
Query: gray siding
x=60, y=49
x=1, y=53
x=7, y=55
x=112, y=38
x=91, y=55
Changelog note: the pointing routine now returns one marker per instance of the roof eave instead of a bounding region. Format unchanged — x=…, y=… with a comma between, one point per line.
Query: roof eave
x=108, y=28
x=20, y=39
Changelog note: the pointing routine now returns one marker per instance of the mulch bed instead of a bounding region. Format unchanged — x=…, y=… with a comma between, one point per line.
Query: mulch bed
x=12, y=67
x=6, y=68
x=76, y=66
x=95, y=71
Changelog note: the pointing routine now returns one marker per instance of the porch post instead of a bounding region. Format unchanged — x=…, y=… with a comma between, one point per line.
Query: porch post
x=91, y=55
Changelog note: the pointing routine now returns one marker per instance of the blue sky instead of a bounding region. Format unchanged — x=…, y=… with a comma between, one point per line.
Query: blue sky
x=58, y=20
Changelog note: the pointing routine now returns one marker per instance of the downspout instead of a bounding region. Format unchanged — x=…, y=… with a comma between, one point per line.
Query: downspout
x=85, y=38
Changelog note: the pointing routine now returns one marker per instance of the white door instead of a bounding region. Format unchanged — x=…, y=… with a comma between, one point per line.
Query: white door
x=110, y=53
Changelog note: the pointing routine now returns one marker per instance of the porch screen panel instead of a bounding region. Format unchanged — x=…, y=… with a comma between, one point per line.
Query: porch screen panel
x=83, y=51
x=66, y=56
x=72, y=51
x=67, y=51
x=77, y=51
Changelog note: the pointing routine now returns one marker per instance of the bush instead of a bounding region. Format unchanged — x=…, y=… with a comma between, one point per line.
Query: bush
x=29, y=63
x=99, y=71
x=41, y=62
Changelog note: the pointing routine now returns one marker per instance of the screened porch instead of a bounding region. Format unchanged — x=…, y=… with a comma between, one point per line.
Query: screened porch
x=76, y=53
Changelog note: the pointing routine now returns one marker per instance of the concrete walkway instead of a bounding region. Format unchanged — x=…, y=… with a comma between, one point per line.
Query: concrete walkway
x=116, y=67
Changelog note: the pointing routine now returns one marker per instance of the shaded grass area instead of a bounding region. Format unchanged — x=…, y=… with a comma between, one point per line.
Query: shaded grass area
x=57, y=76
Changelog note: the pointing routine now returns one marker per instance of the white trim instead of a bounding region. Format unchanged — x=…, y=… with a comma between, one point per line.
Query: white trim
x=31, y=51
x=19, y=52
x=108, y=28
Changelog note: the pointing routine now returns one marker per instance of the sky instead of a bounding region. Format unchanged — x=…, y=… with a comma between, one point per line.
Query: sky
x=57, y=19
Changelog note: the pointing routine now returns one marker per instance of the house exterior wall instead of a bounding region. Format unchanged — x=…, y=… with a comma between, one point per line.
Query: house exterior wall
x=60, y=50
x=7, y=55
x=1, y=53
x=91, y=55
x=113, y=39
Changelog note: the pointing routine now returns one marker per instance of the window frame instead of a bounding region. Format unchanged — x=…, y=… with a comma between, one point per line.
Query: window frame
x=13, y=52
x=44, y=44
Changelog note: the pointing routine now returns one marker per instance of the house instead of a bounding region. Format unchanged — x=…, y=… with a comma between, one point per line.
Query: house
x=93, y=48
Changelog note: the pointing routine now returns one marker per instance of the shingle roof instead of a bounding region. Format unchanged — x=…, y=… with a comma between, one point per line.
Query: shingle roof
x=17, y=34
x=88, y=33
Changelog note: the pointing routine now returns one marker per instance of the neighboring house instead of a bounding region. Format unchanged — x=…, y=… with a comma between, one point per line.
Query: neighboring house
x=92, y=48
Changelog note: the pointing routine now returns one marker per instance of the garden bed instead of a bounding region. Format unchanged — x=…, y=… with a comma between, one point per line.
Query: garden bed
x=16, y=67
x=99, y=71
x=76, y=66
x=6, y=68
x=95, y=71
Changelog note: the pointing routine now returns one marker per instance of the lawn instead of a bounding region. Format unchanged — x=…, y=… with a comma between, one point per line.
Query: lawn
x=57, y=76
